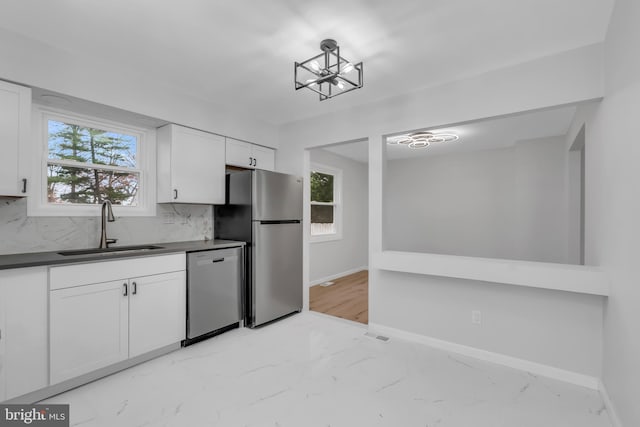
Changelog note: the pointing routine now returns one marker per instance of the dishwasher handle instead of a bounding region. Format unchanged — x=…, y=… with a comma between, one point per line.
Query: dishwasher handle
x=210, y=260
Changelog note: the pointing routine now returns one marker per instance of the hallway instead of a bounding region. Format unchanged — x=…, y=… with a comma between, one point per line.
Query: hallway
x=347, y=298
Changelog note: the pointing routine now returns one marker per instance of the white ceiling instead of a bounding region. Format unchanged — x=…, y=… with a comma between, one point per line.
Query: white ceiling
x=240, y=53
x=479, y=135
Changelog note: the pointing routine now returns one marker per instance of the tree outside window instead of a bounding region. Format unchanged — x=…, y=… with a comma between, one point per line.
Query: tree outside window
x=87, y=165
x=325, y=199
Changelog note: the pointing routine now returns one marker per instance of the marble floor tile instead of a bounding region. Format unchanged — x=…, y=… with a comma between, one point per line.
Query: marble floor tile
x=311, y=370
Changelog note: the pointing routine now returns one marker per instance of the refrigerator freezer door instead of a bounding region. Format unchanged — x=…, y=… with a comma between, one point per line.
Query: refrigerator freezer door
x=277, y=272
x=276, y=196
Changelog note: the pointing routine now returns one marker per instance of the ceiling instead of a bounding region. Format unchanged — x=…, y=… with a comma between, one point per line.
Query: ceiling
x=486, y=134
x=240, y=53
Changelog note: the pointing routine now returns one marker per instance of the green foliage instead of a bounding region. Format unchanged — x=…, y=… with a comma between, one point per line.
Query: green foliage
x=321, y=187
x=75, y=183
x=321, y=191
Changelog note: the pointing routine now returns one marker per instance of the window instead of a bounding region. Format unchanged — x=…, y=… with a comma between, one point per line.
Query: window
x=326, y=209
x=87, y=161
x=88, y=166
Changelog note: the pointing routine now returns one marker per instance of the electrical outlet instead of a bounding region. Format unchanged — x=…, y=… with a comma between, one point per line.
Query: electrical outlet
x=476, y=317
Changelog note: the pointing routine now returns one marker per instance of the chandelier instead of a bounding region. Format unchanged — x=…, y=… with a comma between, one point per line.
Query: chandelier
x=421, y=139
x=328, y=74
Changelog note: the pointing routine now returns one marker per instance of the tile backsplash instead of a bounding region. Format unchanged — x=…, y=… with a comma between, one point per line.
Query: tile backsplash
x=172, y=223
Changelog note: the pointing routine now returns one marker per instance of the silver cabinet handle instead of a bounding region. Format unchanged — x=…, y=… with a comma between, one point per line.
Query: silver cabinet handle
x=135, y=288
x=24, y=185
x=250, y=161
x=175, y=194
x=126, y=289
x=218, y=260
x=255, y=162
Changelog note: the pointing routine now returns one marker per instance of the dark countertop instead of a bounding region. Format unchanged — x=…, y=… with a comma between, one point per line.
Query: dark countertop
x=34, y=259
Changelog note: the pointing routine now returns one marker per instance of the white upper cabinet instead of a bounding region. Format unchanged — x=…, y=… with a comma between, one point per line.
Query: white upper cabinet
x=249, y=156
x=191, y=166
x=15, y=112
x=263, y=158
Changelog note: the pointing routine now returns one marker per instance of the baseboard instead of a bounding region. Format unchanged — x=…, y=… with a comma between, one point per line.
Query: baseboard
x=488, y=356
x=337, y=275
x=337, y=319
x=608, y=403
x=67, y=385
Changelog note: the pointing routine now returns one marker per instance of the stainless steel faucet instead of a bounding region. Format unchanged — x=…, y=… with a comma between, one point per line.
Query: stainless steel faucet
x=107, y=215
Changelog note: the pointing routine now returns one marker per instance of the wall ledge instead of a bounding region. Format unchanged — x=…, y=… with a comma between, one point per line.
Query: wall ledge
x=560, y=277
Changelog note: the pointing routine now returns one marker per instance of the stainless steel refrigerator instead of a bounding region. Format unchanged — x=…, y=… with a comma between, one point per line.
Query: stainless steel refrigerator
x=264, y=209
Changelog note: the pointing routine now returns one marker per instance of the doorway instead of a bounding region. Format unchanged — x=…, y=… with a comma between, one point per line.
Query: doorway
x=338, y=230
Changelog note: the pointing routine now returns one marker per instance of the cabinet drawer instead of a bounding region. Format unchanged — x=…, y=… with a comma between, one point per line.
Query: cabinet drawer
x=69, y=276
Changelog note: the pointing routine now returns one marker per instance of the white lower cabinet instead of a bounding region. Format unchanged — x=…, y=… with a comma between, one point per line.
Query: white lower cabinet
x=3, y=347
x=95, y=325
x=89, y=328
x=23, y=331
x=157, y=312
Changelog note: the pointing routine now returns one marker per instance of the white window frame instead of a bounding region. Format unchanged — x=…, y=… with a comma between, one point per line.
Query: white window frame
x=337, y=203
x=37, y=204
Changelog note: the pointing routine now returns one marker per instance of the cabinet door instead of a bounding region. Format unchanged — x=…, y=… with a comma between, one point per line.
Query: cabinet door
x=157, y=312
x=25, y=332
x=15, y=104
x=239, y=153
x=197, y=166
x=3, y=340
x=88, y=328
x=264, y=158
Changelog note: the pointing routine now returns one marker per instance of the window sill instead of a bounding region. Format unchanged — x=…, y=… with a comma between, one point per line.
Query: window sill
x=87, y=211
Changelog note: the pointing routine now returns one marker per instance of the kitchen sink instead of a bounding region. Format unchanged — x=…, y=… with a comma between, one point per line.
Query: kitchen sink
x=109, y=251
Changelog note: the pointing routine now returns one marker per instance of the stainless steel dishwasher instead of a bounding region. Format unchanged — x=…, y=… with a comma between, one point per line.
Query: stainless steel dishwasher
x=214, y=292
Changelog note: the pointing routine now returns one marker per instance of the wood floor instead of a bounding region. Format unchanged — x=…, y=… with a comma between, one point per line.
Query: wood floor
x=347, y=298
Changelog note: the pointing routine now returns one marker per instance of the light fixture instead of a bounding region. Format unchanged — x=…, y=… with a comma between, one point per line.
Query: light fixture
x=422, y=139
x=328, y=74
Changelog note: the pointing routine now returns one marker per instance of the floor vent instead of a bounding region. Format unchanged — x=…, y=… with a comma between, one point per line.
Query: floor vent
x=378, y=337
x=325, y=284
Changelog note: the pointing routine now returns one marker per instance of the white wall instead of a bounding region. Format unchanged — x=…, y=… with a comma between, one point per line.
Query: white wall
x=28, y=62
x=613, y=207
x=331, y=259
x=500, y=203
x=555, y=328
x=572, y=76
